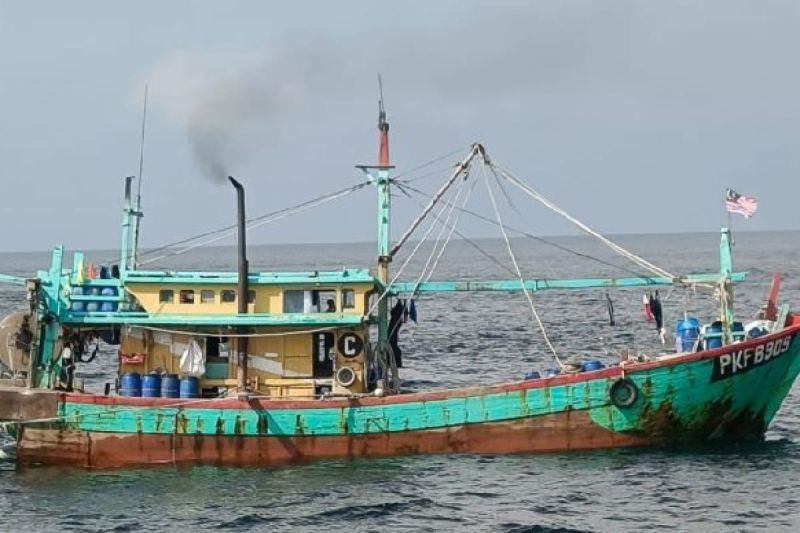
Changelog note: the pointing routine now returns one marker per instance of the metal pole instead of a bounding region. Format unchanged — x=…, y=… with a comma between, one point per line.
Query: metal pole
x=241, y=342
x=126, y=228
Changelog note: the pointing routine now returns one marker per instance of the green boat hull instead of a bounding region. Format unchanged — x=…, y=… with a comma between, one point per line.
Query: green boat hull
x=729, y=393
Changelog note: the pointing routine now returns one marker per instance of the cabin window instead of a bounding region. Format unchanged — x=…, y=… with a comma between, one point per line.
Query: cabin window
x=166, y=296
x=207, y=296
x=324, y=301
x=348, y=299
x=293, y=301
x=187, y=296
x=251, y=297
x=319, y=301
x=227, y=296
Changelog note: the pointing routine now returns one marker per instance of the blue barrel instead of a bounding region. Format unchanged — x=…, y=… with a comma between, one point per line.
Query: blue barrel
x=151, y=386
x=92, y=307
x=93, y=291
x=78, y=306
x=714, y=342
x=533, y=374
x=130, y=385
x=170, y=386
x=738, y=332
x=190, y=387
x=686, y=332
x=550, y=372
x=588, y=366
x=108, y=307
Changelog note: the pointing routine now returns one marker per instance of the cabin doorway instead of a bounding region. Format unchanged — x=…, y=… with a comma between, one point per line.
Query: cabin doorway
x=217, y=358
x=322, y=351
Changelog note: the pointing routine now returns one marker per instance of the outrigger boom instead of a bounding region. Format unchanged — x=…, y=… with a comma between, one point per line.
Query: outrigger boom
x=543, y=284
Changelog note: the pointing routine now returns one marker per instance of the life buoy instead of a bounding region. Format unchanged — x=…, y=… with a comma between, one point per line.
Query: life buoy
x=623, y=393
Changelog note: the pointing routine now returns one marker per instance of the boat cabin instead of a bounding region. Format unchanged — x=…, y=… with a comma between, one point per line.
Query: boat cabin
x=305, y=334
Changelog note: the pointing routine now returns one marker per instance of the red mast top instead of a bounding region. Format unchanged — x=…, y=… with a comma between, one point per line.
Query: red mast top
x=383, y=128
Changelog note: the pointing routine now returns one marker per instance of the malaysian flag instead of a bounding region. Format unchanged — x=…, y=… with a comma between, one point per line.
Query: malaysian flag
x=737, y=203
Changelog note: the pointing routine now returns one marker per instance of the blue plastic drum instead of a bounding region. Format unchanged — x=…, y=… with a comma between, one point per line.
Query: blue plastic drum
x=170, y=386
x=714, y=342
x=108, y=307
x=131, y=385
x=588, y=366
x=190, y=387
x=151, y=386
x=686, y=333
x=738, y=332
x=78, y=305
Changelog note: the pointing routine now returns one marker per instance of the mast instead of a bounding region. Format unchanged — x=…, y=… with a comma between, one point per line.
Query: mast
x=726, y=284
x=382, y=182
x=384, y=193
x=137, y=220
x=125, y=243
x=241, y=342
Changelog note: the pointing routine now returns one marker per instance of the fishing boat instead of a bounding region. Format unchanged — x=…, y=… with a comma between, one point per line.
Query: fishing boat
x=263, y=368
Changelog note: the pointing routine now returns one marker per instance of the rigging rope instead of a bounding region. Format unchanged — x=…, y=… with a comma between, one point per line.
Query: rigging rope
x=388, y=288
x=271, y=216
x=264, y=219
x=516, y=267
x=527, y=189
x=528, y=235
x=462, y=167
x=427, y=164
x=460, y=234
x=426, y=272
x=255, y=219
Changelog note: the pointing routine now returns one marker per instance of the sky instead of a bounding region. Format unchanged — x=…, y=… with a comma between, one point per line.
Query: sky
x=633, y=116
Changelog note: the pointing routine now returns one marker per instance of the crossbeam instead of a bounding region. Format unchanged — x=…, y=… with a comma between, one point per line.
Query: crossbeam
x=14, y=280
x=543, y=284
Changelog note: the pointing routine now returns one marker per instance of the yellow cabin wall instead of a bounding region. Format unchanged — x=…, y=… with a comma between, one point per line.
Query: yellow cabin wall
x=269, y=298
x=279, y=366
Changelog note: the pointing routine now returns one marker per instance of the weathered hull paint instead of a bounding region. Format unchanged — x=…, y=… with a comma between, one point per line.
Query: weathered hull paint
x=677, y=402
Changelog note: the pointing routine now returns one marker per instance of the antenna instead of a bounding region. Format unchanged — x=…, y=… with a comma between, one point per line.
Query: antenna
x=381, y=109
x=141, y=146
x=138, y=210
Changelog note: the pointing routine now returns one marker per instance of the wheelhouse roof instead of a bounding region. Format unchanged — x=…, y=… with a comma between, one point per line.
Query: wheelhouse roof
x=316, y=278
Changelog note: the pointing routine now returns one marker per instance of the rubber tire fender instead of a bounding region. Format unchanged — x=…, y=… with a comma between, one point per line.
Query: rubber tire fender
x=623, y=393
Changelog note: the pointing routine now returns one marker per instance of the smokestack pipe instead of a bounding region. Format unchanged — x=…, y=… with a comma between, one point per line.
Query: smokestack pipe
x=241, y=343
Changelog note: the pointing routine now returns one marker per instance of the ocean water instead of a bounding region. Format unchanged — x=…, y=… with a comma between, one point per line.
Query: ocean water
x=464, y=339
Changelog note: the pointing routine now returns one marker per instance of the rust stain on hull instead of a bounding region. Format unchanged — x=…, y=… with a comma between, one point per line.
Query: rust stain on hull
x=544, y=434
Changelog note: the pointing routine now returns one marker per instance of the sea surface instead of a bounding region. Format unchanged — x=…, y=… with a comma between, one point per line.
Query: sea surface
x=464, y=339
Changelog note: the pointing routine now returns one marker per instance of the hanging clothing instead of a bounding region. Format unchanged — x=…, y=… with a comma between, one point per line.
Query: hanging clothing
x=395, y=322
x=648, y=313
x=655, y=308
x=610, y=307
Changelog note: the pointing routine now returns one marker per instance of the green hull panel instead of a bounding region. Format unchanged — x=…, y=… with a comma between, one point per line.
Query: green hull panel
x=677, y=399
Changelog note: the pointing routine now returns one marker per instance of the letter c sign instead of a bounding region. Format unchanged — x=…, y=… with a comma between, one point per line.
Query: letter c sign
x=350, y=345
